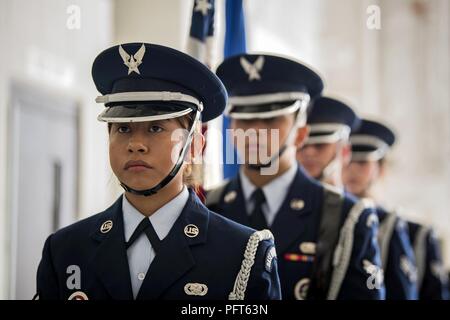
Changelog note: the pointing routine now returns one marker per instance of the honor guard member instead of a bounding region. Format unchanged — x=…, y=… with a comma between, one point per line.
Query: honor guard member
x=324, y=240
x=370, y=145
x=157, y=241
x=327, y=149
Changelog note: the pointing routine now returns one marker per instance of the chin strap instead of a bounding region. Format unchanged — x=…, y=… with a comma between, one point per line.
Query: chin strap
x=300, y=121
x=175, y=169
x=331, y=168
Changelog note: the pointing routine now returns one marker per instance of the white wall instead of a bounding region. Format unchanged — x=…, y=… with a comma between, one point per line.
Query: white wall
x=414, y=96
x=163, y=22
x=38, y=49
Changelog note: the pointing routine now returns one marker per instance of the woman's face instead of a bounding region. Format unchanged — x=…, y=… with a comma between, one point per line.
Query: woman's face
x=143, y=153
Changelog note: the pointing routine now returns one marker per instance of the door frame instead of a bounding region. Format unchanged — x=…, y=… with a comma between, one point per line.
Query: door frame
x=20, y=91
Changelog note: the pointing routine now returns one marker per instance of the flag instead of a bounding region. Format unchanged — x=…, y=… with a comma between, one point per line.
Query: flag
x=200, y=46
x=201, y=34
x=234, y=44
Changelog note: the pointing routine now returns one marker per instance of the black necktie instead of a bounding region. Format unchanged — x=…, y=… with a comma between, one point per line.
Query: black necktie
x=145, y=226
x=257, y=219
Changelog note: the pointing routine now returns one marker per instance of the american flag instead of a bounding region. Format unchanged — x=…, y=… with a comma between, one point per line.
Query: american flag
x=200, y=42
x=200, y=46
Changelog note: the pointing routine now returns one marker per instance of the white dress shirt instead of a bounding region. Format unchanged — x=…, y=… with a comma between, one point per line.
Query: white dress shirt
x=141, y=253
x=275, y=192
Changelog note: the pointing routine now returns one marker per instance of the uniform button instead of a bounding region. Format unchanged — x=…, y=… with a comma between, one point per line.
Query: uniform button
x=141, y=276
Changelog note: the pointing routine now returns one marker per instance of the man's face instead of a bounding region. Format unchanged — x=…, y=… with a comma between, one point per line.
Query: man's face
x=257, y=140
x=359, y=176
x=315, y=157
